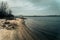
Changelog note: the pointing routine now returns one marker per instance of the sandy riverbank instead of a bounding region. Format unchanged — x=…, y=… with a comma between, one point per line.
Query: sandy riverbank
x=19, y=31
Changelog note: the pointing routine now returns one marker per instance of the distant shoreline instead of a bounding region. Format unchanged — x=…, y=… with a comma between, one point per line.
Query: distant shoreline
x=40, y=16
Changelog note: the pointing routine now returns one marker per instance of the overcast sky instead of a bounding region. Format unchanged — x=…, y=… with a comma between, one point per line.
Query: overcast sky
x=34, y=7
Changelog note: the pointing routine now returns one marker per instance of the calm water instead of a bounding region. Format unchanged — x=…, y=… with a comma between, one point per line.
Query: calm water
x=45, y=28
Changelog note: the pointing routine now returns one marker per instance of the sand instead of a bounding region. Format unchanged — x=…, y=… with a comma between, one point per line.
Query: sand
x=20, y=32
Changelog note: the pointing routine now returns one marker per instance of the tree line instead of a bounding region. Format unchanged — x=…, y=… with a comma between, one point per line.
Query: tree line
x=5, y=11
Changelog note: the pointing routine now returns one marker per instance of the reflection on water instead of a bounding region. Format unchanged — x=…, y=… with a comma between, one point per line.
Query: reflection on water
x=45, y=28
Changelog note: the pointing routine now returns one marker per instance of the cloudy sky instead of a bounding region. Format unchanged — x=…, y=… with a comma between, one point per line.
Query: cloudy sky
x=34, y=7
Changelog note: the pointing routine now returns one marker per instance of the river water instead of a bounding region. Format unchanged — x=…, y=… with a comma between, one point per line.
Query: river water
x=45, y=28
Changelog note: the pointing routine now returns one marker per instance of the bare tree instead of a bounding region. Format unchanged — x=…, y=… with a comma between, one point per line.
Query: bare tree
x=5, y=12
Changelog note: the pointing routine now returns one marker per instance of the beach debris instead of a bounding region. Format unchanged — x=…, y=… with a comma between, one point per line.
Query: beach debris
x=7, y=25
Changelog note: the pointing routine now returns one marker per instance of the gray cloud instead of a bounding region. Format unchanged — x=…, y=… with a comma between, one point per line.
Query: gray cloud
x=35, y=7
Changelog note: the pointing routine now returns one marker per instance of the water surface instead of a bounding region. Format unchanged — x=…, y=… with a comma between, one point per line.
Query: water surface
x=45, y=28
